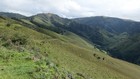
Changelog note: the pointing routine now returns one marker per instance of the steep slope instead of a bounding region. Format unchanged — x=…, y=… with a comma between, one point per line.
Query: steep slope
x=28, y=51
x=20, y=44
x=121, y=36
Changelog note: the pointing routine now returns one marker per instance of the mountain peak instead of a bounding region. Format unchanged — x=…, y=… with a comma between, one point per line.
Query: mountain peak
x=49, y=15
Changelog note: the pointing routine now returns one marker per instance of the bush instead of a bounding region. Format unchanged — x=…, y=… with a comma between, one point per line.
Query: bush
x=98, y=57
x=8, y=24
x=15, y=40
x=19, y=39
x=94, y=55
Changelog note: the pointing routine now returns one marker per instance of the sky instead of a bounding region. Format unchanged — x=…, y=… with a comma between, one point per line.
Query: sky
x=127, y=9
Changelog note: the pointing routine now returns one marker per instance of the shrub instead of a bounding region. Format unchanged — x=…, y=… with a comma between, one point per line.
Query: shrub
x=6, y=44
x=81, y=75
x=8, y=24
x=19, y=39
x=94, y=54
x=98, y=57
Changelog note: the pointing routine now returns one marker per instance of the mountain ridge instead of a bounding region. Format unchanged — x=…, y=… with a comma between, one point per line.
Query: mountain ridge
x=12, y=15
x=57, y=48
x=107, y=33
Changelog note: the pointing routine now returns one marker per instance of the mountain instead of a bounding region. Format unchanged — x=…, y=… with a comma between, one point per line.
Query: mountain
x=46, y=46
x=107, y=33
x=122, y=36
x=12, y=15
x=111, y=24
x=56, y=23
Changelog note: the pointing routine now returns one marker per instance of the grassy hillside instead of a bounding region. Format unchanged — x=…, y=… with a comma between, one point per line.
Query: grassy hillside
x=38, y=53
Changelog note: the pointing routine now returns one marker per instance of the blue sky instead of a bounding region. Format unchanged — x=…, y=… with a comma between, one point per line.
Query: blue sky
x=128, y=9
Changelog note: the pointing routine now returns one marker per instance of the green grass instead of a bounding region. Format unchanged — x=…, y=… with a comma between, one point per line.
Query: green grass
x=24, y=65
x=14, y=64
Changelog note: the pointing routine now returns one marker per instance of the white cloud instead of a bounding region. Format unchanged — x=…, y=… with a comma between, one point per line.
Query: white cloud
x=75, y=8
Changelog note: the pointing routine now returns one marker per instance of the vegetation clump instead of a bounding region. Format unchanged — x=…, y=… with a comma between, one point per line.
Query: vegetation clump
x=8, y=24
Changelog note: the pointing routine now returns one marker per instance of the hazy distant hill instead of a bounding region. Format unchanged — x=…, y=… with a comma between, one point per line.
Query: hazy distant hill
x=12, y=15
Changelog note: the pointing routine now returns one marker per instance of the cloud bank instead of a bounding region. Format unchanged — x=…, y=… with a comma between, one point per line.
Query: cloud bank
x=129, y=9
